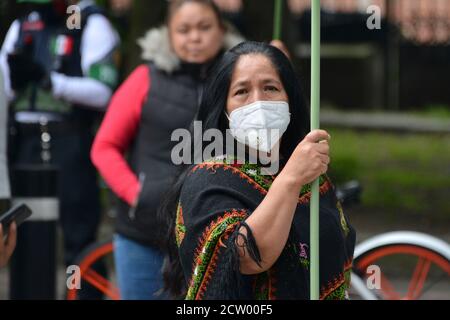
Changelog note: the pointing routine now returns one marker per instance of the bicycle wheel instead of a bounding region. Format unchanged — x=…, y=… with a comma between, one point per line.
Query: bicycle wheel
x=411, y=266
x=101, y=251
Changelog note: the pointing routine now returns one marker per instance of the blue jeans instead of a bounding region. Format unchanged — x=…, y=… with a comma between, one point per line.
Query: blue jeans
x=138, y=269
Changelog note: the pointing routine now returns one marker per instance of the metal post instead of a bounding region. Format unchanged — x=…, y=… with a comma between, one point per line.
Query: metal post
x=315, y=124
x=33, y=266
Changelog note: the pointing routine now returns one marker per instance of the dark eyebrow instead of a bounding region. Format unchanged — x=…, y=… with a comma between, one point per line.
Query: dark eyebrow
x=206, y=21
x=266, y=81
x=240, y=83
x=196, y=23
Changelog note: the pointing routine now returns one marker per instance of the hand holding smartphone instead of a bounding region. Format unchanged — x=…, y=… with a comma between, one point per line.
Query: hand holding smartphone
x=18, y=214
x=9, y=222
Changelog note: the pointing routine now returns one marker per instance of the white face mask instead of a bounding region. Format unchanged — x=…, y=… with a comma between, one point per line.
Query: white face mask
x=260, y=125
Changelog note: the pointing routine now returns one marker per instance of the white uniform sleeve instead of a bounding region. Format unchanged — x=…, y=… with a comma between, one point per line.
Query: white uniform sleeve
x=85, y=91
x=5, y=192
x=99, y=39
x=7, y=48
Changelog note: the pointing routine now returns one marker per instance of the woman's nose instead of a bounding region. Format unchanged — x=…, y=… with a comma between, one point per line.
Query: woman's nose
x=195, y=36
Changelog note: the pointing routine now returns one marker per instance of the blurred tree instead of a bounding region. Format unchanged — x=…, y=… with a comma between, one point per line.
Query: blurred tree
x=259, y=25
x=8, y=12
x=144, y=15
x=259, y=20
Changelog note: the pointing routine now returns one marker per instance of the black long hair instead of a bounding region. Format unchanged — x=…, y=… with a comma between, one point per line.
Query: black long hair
x=212, y=116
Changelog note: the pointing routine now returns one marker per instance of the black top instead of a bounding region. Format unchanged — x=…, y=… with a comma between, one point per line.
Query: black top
x=215, y=201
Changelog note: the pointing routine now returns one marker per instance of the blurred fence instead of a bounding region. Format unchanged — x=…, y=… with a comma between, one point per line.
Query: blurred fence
x=403, y=65
x=420, y=21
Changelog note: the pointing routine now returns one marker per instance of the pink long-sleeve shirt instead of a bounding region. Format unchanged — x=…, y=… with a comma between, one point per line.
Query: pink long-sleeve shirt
x=117, y=131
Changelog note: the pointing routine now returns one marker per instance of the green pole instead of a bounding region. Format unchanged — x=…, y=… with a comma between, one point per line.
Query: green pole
x=278, y=20
x=315, y=124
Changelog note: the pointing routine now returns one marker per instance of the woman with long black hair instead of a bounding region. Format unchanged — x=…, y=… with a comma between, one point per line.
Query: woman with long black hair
x=237, y=231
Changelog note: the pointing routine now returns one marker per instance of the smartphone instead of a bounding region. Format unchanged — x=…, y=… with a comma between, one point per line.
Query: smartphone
x=18, y=214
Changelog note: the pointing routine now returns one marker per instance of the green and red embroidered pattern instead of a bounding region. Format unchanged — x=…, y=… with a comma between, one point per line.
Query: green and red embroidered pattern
x=210, y=243
x=180, y=228
x=337, y=289
x=252, y=174
x=264, y=286
x=212, y=166
x=342, y=218
x=206, y=254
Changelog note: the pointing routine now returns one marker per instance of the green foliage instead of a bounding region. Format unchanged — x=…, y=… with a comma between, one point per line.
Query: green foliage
x=401, y=173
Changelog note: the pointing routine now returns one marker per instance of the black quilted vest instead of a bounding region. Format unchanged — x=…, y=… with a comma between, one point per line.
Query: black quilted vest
x=171, y=104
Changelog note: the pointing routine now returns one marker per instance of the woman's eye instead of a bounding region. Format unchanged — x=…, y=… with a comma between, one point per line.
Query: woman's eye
x=205, y=27
x=182, y=30
x=271, y=88
x=240, y=92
